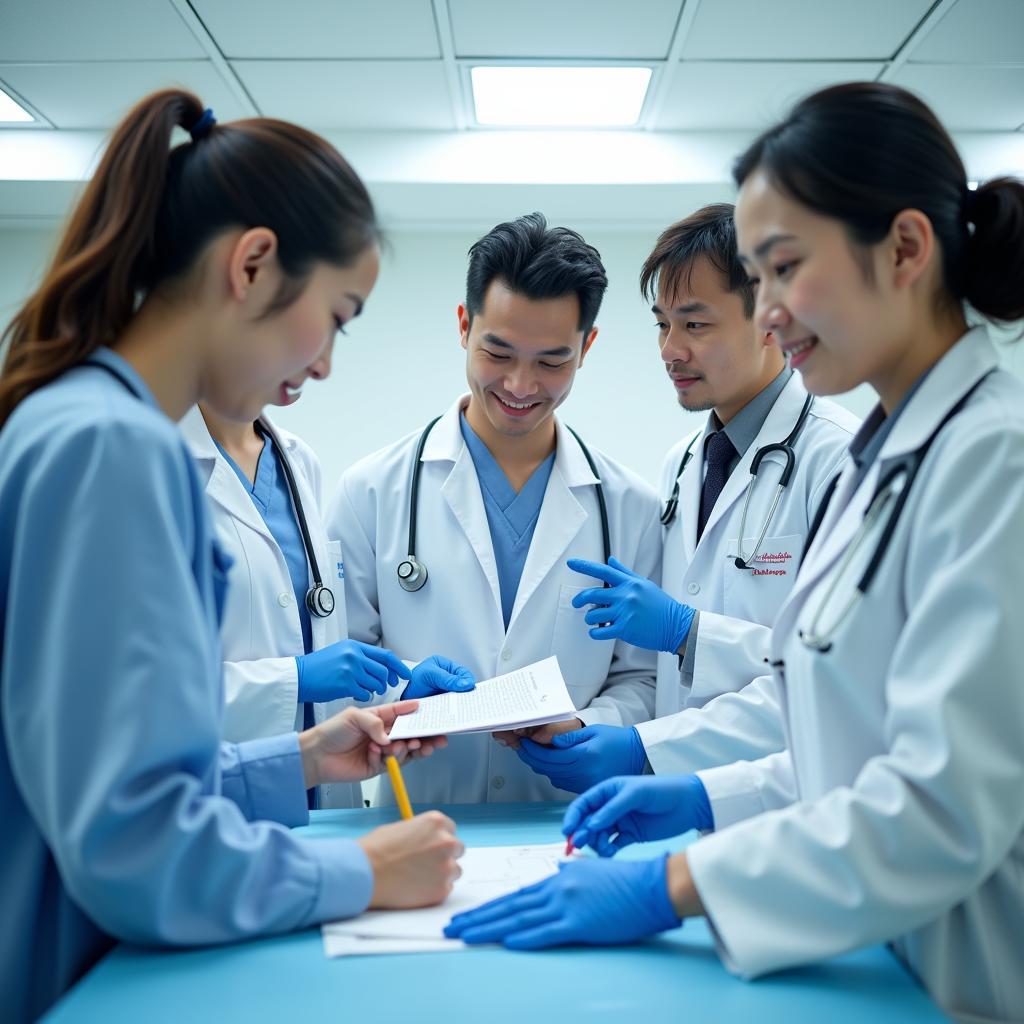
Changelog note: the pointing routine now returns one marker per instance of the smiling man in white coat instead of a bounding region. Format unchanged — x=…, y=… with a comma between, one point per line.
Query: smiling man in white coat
x=733, y=536
x=503, y=493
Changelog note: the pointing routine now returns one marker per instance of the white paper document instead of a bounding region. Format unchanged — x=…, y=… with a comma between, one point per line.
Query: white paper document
x=487, y=873
x=533, y=695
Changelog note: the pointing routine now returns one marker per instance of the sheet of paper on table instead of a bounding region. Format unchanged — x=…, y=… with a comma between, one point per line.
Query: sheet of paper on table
x=487, y=873
x=533, y=695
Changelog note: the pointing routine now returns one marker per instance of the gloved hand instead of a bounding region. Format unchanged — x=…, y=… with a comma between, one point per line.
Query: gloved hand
x=348, y=668
x=631, y=608
x=592, y=902
x=580, y=759
x=638, y=809
x=438, y=674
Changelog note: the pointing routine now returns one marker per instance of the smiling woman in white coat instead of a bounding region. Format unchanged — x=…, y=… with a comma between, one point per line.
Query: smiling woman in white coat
x=896, y=813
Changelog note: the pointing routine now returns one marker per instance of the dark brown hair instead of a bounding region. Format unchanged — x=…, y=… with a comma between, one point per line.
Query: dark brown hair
x=863, y=151
x=149, y=211
x=709, y=233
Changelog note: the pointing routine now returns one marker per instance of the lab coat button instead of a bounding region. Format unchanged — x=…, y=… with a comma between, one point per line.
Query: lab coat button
x=284, y=600
x=506, y=655
x=498, y=781
x=693, y=588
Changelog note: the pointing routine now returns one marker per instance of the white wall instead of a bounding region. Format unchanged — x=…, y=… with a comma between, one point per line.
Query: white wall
x=402, y=364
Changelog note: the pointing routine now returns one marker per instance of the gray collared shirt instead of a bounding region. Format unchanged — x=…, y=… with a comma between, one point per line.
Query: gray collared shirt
x=874, y=431
x=744, y=427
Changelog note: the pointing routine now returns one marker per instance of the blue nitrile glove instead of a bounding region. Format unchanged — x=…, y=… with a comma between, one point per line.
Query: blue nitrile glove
x=437, y=674
x=638, y=810
x=580, y=759
x=348, y=668
x=631, y=608
x=591, y=902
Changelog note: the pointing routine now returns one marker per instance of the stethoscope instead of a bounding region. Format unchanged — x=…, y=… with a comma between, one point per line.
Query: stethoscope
x=892, y=489
x=785, y=447
x=412, y=573
x=319, y=599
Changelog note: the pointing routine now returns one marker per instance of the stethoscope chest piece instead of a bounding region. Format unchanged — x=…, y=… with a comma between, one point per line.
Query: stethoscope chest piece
x=320, y=601
x=412, y=574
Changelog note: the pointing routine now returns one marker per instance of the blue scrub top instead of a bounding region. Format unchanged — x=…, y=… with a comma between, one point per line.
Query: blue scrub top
x=270, y=494
x=511, y=517
x=124, y=815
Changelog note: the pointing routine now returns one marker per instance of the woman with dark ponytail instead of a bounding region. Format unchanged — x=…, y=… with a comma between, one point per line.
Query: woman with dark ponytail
x=897, y=813
x=217, y=270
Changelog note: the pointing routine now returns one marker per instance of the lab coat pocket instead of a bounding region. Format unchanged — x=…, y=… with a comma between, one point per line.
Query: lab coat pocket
x=756, y=593
x=584, y=662
x=334, y=570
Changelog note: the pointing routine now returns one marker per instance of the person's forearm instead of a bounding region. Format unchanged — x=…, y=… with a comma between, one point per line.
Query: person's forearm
x=681, y=889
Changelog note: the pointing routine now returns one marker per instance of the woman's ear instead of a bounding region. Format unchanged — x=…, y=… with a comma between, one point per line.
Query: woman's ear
x=252, y=262
x=912, y=239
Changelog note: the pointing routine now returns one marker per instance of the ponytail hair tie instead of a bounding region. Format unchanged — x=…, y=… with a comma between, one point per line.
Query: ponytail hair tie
x=202, y=127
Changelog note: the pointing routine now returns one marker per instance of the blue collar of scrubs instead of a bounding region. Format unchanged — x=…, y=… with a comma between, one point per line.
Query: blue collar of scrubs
x=125, y=372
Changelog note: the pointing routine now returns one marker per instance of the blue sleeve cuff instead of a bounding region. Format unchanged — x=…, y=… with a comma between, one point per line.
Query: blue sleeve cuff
x=346, y=879
x=264, y=777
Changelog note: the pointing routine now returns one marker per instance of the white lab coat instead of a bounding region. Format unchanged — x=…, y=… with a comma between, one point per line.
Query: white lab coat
x=458, y=611
x=260, y=632
x=737, y=606
x=900, y=809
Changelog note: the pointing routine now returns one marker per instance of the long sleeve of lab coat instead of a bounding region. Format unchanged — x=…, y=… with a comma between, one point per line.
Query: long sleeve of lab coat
x=113, y=703
x=746, y=724
x=925, y=844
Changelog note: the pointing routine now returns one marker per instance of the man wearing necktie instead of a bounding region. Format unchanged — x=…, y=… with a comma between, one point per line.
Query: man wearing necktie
x=710, y=617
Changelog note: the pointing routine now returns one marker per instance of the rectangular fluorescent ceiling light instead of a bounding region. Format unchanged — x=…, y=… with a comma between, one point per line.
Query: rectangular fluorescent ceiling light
x=12, y=113
x=559, y=97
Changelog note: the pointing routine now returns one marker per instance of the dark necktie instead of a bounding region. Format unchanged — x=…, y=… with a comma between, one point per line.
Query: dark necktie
x=718, y=454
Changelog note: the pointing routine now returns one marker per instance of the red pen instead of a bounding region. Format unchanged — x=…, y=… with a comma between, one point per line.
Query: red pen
x=569, y=847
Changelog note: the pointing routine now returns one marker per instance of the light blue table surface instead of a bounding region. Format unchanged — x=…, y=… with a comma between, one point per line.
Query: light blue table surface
x=675, y=978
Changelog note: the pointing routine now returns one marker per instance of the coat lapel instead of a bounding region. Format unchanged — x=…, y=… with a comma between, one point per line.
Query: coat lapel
x=222, y=485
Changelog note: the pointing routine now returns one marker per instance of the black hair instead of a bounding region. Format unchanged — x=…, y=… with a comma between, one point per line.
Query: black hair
x=709, y=233
x=863, y=151
x=538, y=262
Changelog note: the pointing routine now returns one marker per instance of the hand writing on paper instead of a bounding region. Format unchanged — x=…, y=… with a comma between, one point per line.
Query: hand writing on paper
x=414, y=862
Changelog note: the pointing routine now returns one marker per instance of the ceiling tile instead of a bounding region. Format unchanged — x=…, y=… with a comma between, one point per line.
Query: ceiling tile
x=310, y=29
x=802, y=29
x=641, y=29
x=354, y=94
x=969, y=97
x=56, y=30
x=975, y=32
x=97, y=95
x=723, y=95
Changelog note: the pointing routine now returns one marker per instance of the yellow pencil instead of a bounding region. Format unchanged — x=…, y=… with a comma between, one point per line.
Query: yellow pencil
x=398, y=785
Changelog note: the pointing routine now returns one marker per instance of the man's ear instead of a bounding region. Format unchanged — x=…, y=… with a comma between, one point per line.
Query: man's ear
x=462, y=312
x=586, y=344
x=252, y=260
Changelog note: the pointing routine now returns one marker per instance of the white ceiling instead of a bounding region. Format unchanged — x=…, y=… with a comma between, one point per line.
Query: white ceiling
x=402, y=64
x=394, y=67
